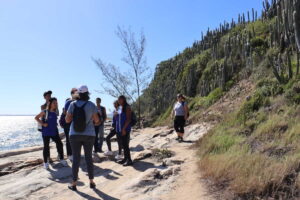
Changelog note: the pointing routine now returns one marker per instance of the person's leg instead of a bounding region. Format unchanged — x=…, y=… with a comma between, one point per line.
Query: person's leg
x=119, y=140
x=76, y=143
x=46, y=141
x=176, y=126
x=101, y=137
x=88, y=142
x=68, y=145
x=108, y=138
x=59, y=146
x=125, y=144
x=96, y=143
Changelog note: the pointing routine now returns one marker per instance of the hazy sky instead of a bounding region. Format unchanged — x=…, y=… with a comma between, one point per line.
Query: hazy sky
x=49, y=44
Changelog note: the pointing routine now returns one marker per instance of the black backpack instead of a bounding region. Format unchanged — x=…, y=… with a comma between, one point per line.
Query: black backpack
x=134, y=119
x=79, y=118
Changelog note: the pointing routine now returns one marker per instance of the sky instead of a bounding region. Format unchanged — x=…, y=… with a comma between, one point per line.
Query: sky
x=48, y=44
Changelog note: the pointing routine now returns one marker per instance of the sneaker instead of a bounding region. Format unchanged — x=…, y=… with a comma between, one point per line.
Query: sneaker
x=70, y=158
x=64, y=163
x=128, y=163
x=180, y=139
x=46, y=165
x=108, y=153
x=118, y=157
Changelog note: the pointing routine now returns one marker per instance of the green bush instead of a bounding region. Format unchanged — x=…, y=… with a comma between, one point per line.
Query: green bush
x=258, y=100
x=270, y=87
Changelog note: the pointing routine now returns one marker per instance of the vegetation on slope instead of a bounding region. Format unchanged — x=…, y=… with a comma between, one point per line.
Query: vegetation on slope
x=253, y=152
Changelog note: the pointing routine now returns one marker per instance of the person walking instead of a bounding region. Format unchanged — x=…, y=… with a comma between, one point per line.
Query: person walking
x=48, y=120
x=99, y=129
x=67, y=125
x=180, y=115
x=82, y=114
x=123, y=128
x=112, y=133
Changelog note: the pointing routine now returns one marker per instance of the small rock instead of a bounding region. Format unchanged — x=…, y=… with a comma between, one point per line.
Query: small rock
x=143, y=155
x=171, y=162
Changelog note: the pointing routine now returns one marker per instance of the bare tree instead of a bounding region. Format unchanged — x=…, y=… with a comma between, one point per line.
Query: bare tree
x=130, y=84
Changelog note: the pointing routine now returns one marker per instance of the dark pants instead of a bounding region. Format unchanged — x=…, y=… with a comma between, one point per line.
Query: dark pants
x=96, y=143
x=68, y=145
x=125, y=144
x=77, y=141
x=99, y=138
x=108, y=138
x=59, y=147
x=179, y=123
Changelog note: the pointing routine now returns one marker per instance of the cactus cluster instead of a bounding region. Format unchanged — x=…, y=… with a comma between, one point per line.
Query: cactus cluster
x=234, y=47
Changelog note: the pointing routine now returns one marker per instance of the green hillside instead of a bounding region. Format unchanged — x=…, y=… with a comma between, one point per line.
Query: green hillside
x=254, y=151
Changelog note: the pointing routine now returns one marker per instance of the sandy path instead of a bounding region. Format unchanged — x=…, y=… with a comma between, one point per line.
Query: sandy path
x=149, y=179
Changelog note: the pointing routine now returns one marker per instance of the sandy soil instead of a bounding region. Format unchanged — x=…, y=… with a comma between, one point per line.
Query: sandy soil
x=151, y=178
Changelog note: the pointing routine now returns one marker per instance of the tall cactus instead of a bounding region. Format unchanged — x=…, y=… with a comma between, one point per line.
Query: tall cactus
x=296, y=16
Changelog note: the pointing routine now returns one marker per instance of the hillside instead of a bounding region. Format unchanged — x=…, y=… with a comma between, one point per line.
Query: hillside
x=253, y=150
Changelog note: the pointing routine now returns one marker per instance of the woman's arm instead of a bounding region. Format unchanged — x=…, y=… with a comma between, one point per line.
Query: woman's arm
x=38, y=119
x=128, y=120
x=172, y=113
x=96, y=119
x=186, y=111
x=69, y=117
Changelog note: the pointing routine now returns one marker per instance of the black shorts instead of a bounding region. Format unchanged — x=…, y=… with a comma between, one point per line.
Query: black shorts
x=179, y=123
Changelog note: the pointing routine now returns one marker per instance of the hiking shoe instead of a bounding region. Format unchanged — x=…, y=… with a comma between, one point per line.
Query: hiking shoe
x=128, y=163
x=92, y=185
x=180, y=139
x=108, y=153
x=72, y=187
x=46, y=165
x=118, y=157
x=121, y=162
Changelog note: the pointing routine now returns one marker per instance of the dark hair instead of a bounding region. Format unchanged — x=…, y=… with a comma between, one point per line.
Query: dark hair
x=180, y=95
x=116, y=102
x=50, y=103
x=84, y=96
x=73, y=91
x=48, y=92
x=98, y=99
x=125, y=102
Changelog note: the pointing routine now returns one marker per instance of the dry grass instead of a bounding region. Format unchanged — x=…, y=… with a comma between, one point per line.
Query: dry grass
x=258, y=158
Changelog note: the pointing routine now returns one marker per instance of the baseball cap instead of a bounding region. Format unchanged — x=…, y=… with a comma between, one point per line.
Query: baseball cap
x=83, y=89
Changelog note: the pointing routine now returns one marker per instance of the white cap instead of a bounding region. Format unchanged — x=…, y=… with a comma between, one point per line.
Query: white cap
x=83, y=89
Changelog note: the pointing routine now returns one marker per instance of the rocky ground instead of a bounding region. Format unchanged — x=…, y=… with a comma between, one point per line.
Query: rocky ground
x=163, y=169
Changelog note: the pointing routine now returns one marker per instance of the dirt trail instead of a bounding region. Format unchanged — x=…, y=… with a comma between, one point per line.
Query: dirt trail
x=151, y=178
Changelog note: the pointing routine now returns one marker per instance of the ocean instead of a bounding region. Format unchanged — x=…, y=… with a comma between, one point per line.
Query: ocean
x=18, y=132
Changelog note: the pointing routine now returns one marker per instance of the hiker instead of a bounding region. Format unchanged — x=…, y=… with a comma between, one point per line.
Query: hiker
x=180, y=115
x=48, y=120
x=47, y=96
x=123, y=128
x=112, y=133
x=82, y=114
x=67, y=125
x=99, y=129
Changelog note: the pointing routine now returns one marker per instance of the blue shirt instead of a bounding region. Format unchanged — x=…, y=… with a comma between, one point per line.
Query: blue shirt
x=51, y=120
x=67, y=104
x=90, y=109
x=121, y=120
